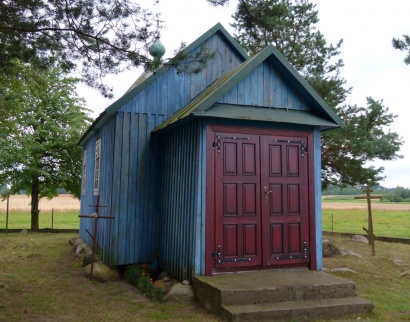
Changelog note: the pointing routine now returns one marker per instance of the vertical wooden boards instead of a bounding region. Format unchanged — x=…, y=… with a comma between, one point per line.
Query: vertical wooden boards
x=116, y=192
x=173, y=90
x=316, y=168
x=106, y=134
x=265, y=87
x=182, y=203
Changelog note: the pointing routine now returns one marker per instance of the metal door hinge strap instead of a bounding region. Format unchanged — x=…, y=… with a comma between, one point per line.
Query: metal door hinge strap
x=217, y=143
x=303, y=147
x=306, y=249
x=290, y=257
x=233, y=260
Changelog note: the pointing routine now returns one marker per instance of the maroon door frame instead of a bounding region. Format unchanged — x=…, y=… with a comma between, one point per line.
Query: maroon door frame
x=210, y=246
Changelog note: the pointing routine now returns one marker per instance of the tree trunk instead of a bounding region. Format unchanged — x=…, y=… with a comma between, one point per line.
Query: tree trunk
x=35, y=191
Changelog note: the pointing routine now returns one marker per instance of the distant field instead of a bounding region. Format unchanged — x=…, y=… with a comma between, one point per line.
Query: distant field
x=65, y=216
x=348, y=202
x=21, y=203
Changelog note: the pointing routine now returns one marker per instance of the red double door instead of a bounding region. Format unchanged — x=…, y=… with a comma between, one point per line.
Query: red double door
x=261, y=200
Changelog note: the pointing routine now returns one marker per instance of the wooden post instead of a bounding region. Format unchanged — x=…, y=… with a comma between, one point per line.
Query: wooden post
x=7, y=215
x=95, y=216
x=369, y=231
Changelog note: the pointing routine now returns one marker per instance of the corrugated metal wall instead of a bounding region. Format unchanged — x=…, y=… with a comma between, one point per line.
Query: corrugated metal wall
x=265, y=87
x=183, y=173
x=106, y=134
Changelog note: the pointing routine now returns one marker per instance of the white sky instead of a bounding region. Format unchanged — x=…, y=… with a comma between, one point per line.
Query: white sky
x=372, y=67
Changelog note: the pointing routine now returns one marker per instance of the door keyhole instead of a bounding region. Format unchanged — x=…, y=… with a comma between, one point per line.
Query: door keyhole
x=266, y=192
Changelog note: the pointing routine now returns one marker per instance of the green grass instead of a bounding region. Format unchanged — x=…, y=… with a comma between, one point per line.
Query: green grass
x=41, y=281
x=60, y=220
x=387, y=223
x=350, y=199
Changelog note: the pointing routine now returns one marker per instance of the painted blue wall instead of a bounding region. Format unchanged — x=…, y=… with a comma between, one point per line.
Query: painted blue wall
x=182, y=196
x=317, y=137
x=264, y=86
x=172, y=91
x=130, y=186
x=106, y=134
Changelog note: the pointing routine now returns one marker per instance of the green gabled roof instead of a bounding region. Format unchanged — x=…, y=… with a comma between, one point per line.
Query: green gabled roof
x=135, y=90
x=221, y=86
x=277, y=115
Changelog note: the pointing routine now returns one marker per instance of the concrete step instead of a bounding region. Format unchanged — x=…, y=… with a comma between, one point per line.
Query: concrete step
x=269, y=287
x=297, y=310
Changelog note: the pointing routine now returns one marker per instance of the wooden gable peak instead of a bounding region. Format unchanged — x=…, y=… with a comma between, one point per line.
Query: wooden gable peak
x=147, y=78
x=207, y=98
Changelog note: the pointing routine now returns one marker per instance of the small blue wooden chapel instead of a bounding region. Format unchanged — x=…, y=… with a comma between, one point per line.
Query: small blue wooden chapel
x=213, y=172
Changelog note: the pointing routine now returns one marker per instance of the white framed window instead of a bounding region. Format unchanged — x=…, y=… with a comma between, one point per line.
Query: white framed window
x=84, y=173
x=97, y=166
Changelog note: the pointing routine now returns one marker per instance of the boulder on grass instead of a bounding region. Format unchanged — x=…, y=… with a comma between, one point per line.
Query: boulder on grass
x=81, y=248
x=329, y=249
x=72, y=240
x=87, y=259
x=101, y=273
x=79, y=241
x=360, y=239
x=180, y=294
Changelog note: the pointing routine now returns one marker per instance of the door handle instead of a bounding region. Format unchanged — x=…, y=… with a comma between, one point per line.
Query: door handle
x=266, y=192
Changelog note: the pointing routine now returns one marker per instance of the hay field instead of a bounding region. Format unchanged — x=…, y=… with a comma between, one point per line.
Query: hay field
x=363, y=205
x=21, y=203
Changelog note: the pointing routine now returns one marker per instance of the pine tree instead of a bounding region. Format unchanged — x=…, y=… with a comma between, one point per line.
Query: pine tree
x=403, y=44
x=290, y=25
x=99, y=36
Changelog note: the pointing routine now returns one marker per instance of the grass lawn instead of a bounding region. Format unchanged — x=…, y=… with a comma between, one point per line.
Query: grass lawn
x=41, y=280
x=59, y=220
x=378, y=277
x=387, y=223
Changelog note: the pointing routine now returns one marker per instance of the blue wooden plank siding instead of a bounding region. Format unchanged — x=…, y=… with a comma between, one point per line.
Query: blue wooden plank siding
x=317, y=137
x=182, y=200
x=172, y=91
x=106, y=134
x=265, y=87
x=134, y=231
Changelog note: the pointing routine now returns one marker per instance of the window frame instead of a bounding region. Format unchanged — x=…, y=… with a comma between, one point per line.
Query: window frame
x=84, y=173
x=97, y=167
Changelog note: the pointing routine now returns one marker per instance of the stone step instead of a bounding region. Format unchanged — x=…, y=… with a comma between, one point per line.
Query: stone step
x=269, y=287
x=297, y=310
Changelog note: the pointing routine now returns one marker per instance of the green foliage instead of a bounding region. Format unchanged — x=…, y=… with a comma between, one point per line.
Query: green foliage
x=336, y=190
x=400, y=194
x=141, y=279
x=39, y=144
x=403, y=44
x=100, y=36
x=366, y=136
x=290, y=25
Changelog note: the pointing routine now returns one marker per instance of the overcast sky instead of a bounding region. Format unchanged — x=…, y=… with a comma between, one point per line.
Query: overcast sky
x=372, y=67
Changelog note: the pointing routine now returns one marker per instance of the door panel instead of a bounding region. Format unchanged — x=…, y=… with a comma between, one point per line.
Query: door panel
x=284, y=212
x=261, y=200
x=237, y=201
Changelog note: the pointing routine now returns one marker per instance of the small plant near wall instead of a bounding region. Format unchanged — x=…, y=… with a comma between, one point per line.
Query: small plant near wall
x=139, y=277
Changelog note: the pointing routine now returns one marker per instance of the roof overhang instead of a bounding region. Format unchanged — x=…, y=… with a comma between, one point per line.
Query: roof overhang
x=243, y=112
